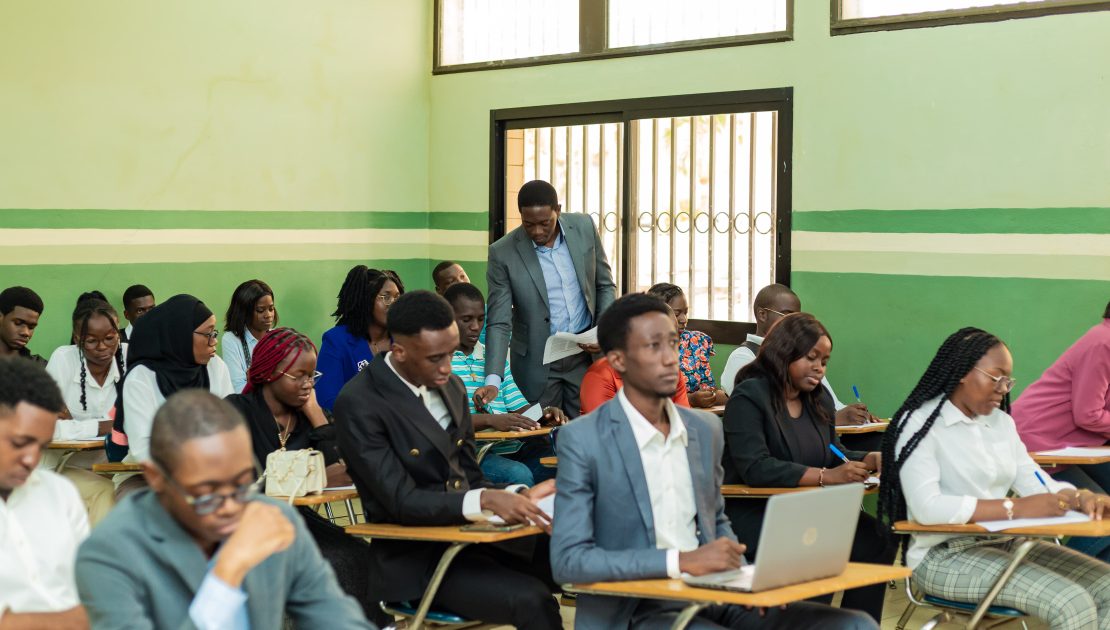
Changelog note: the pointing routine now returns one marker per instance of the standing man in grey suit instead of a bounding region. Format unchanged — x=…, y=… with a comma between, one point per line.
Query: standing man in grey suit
x=639, y=491
x=549, y=275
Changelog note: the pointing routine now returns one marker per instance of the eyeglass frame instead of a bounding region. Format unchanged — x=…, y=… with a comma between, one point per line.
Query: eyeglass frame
x=107, y=341
x=299, y=380
x=242, y=494
x=392, y=298
x=999, y=381
x=213, y=337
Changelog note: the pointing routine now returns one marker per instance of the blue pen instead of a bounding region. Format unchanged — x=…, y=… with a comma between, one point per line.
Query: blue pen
x=836, y=451
x=1041, y=479
x=856, y=392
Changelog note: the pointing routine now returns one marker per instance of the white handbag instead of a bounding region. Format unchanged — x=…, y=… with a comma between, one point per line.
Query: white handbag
x=295, y=473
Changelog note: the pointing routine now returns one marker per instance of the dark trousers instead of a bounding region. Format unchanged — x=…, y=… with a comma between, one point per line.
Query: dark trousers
x=489, y=584
x=564, y=380
x=347, y=556
x=868, y=546
x=657, y=615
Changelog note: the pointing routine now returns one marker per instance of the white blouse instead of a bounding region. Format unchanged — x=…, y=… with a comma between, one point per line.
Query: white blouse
x=100, y=400
x=959, y=461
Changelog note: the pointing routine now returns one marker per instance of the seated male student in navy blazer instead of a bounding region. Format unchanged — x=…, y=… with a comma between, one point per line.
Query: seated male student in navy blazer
x=360, y=332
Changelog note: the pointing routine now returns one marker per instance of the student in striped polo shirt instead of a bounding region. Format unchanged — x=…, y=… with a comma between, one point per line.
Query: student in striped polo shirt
x=512, y=461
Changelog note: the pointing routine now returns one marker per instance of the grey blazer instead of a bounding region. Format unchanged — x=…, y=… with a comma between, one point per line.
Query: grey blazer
x=140, y=569
x=604, y=527
x=517, y=301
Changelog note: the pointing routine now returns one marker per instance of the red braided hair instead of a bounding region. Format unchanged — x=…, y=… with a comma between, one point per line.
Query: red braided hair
x=274, y=347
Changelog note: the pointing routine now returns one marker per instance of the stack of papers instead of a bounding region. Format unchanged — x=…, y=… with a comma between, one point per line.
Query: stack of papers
x=1070, y=517
x=562, y=344
x=1077, y=451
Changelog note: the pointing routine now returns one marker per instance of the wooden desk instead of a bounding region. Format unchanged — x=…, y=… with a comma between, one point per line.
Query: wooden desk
x=1051, y=461
x=550, y=462
x=1091, y=528
x=511, y=435
x=717, y=409
x=453, y=534
x=116, y=467
x=326, y=498
x=854, y=576
x=851, y=429
x=77, y=445
x=734, y=491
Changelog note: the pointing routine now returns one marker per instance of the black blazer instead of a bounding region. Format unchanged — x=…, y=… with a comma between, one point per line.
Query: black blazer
x=407, y=469
x=757, y=449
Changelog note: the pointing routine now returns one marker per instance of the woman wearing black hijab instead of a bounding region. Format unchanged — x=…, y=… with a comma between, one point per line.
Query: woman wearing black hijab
x=173, y=347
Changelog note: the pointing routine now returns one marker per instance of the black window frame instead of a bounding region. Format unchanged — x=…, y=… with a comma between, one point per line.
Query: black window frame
x=780, y=100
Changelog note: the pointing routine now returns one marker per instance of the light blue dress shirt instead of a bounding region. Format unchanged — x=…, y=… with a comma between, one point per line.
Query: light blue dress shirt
x=217, y=606
x=565, y=299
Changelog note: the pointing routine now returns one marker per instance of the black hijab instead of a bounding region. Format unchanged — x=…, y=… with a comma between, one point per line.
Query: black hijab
x=163, y=342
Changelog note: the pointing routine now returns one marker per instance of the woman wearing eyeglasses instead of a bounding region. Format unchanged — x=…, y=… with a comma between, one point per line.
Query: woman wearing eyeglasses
x=952, y=455
x=279, y=404
x=173, y=347
x=360, y=332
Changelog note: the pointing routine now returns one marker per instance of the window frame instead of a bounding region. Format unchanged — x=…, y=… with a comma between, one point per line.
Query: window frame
x=780, y=100
x=593, y=31
x=974, y=15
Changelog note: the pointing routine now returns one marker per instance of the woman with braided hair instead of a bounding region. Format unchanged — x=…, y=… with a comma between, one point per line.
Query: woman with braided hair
x=952, y=455
x=87, y=373
x=360, y=332
x=279, y=404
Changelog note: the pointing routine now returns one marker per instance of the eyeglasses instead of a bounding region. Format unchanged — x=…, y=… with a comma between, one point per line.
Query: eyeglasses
x=206, y=504
x=91, y=343
x=212, y=336
x=388, y=299
x=1002, y=383
x=304, y=379
x=771, y=310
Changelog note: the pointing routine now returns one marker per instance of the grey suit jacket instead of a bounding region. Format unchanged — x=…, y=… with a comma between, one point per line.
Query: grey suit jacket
x=140, y=569
x=517, y=301
x=604, y=527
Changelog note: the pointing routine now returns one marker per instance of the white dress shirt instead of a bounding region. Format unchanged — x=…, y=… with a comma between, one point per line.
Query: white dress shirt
x=100, y=400
x=433, y=402
x=668, y=480
x=231, y=349
x=41, y=525
x=142, y=398
x=959, y=461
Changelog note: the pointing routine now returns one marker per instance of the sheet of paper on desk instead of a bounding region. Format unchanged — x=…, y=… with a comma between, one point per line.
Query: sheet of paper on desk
x=1070, y=517
x=340, y=488
x=535, y=412
x=872, y=481
x=1077, y=451
x=562, y=344
x=866, y=425
x=547, y=504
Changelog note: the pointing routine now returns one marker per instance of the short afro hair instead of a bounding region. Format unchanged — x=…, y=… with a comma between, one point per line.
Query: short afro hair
x=537, y=193
x=186, y=415
x=463, y=290
x=23, y=380
x=417, y=311
x=135, y=292
x=612, y=328
x=19, y=296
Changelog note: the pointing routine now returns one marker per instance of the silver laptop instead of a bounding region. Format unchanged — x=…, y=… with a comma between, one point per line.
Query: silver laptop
x=806, y=536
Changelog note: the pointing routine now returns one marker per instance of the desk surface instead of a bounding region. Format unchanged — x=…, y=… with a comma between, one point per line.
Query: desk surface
x=1091, y=528
x=851, y=429
x=77, y=445
x=1056, y=460
x=327, y=496
x=857, y=574
x=550, y=462
x=740, y=490
x=510, y=435
x=717, y=409
x=116, y=467
x=444, y=533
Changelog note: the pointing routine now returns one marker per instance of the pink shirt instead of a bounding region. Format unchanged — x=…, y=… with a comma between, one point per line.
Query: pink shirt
x=1069, y=405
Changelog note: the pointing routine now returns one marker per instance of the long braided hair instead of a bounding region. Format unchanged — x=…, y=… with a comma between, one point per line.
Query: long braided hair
x=274, y=347
x=355, y=307
x=954, y=359
x=89, y=305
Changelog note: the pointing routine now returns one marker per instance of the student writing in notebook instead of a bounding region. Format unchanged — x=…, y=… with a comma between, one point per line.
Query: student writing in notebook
x=952, y=455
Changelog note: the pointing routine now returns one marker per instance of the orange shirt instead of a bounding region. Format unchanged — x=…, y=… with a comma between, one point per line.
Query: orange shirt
x=602, y=382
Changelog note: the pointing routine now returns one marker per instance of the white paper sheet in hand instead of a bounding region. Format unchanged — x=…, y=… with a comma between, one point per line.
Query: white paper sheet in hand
x=1070, y=517
x=547, y=504
x=563, y=344
x=535, y=412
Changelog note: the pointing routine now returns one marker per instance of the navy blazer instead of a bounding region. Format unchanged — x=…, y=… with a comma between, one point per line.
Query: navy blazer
x=342, y=356
x=604, y=527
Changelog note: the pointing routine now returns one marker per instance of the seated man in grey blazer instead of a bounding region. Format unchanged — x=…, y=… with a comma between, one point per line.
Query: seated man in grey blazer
x=199, y=548
x=548, y=275
x=639, y=490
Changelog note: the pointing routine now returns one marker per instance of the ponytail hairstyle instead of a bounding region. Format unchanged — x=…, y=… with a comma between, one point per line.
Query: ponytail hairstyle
x=791, y=338
x=89, y=305
x=274, y=347
x=954, y=359
x=355, y=305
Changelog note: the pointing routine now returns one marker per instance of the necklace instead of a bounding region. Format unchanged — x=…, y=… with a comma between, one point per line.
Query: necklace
x=284, y=437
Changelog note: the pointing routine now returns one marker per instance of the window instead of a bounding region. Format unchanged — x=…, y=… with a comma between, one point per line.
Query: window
x=483, y=34
x=682, y=189
x=867, y=15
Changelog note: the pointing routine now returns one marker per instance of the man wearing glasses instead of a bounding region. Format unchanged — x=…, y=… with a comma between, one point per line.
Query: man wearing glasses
x=200, y=545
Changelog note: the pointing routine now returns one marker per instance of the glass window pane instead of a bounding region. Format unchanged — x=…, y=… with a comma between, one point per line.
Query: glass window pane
x=473, y=31
x=646, y=22
x=851, y=9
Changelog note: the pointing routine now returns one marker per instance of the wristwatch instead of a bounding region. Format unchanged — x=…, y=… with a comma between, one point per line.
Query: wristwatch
x=1008, y=504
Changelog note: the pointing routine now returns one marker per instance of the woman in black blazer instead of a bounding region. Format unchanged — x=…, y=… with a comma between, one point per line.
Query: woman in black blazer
x=779, y=423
